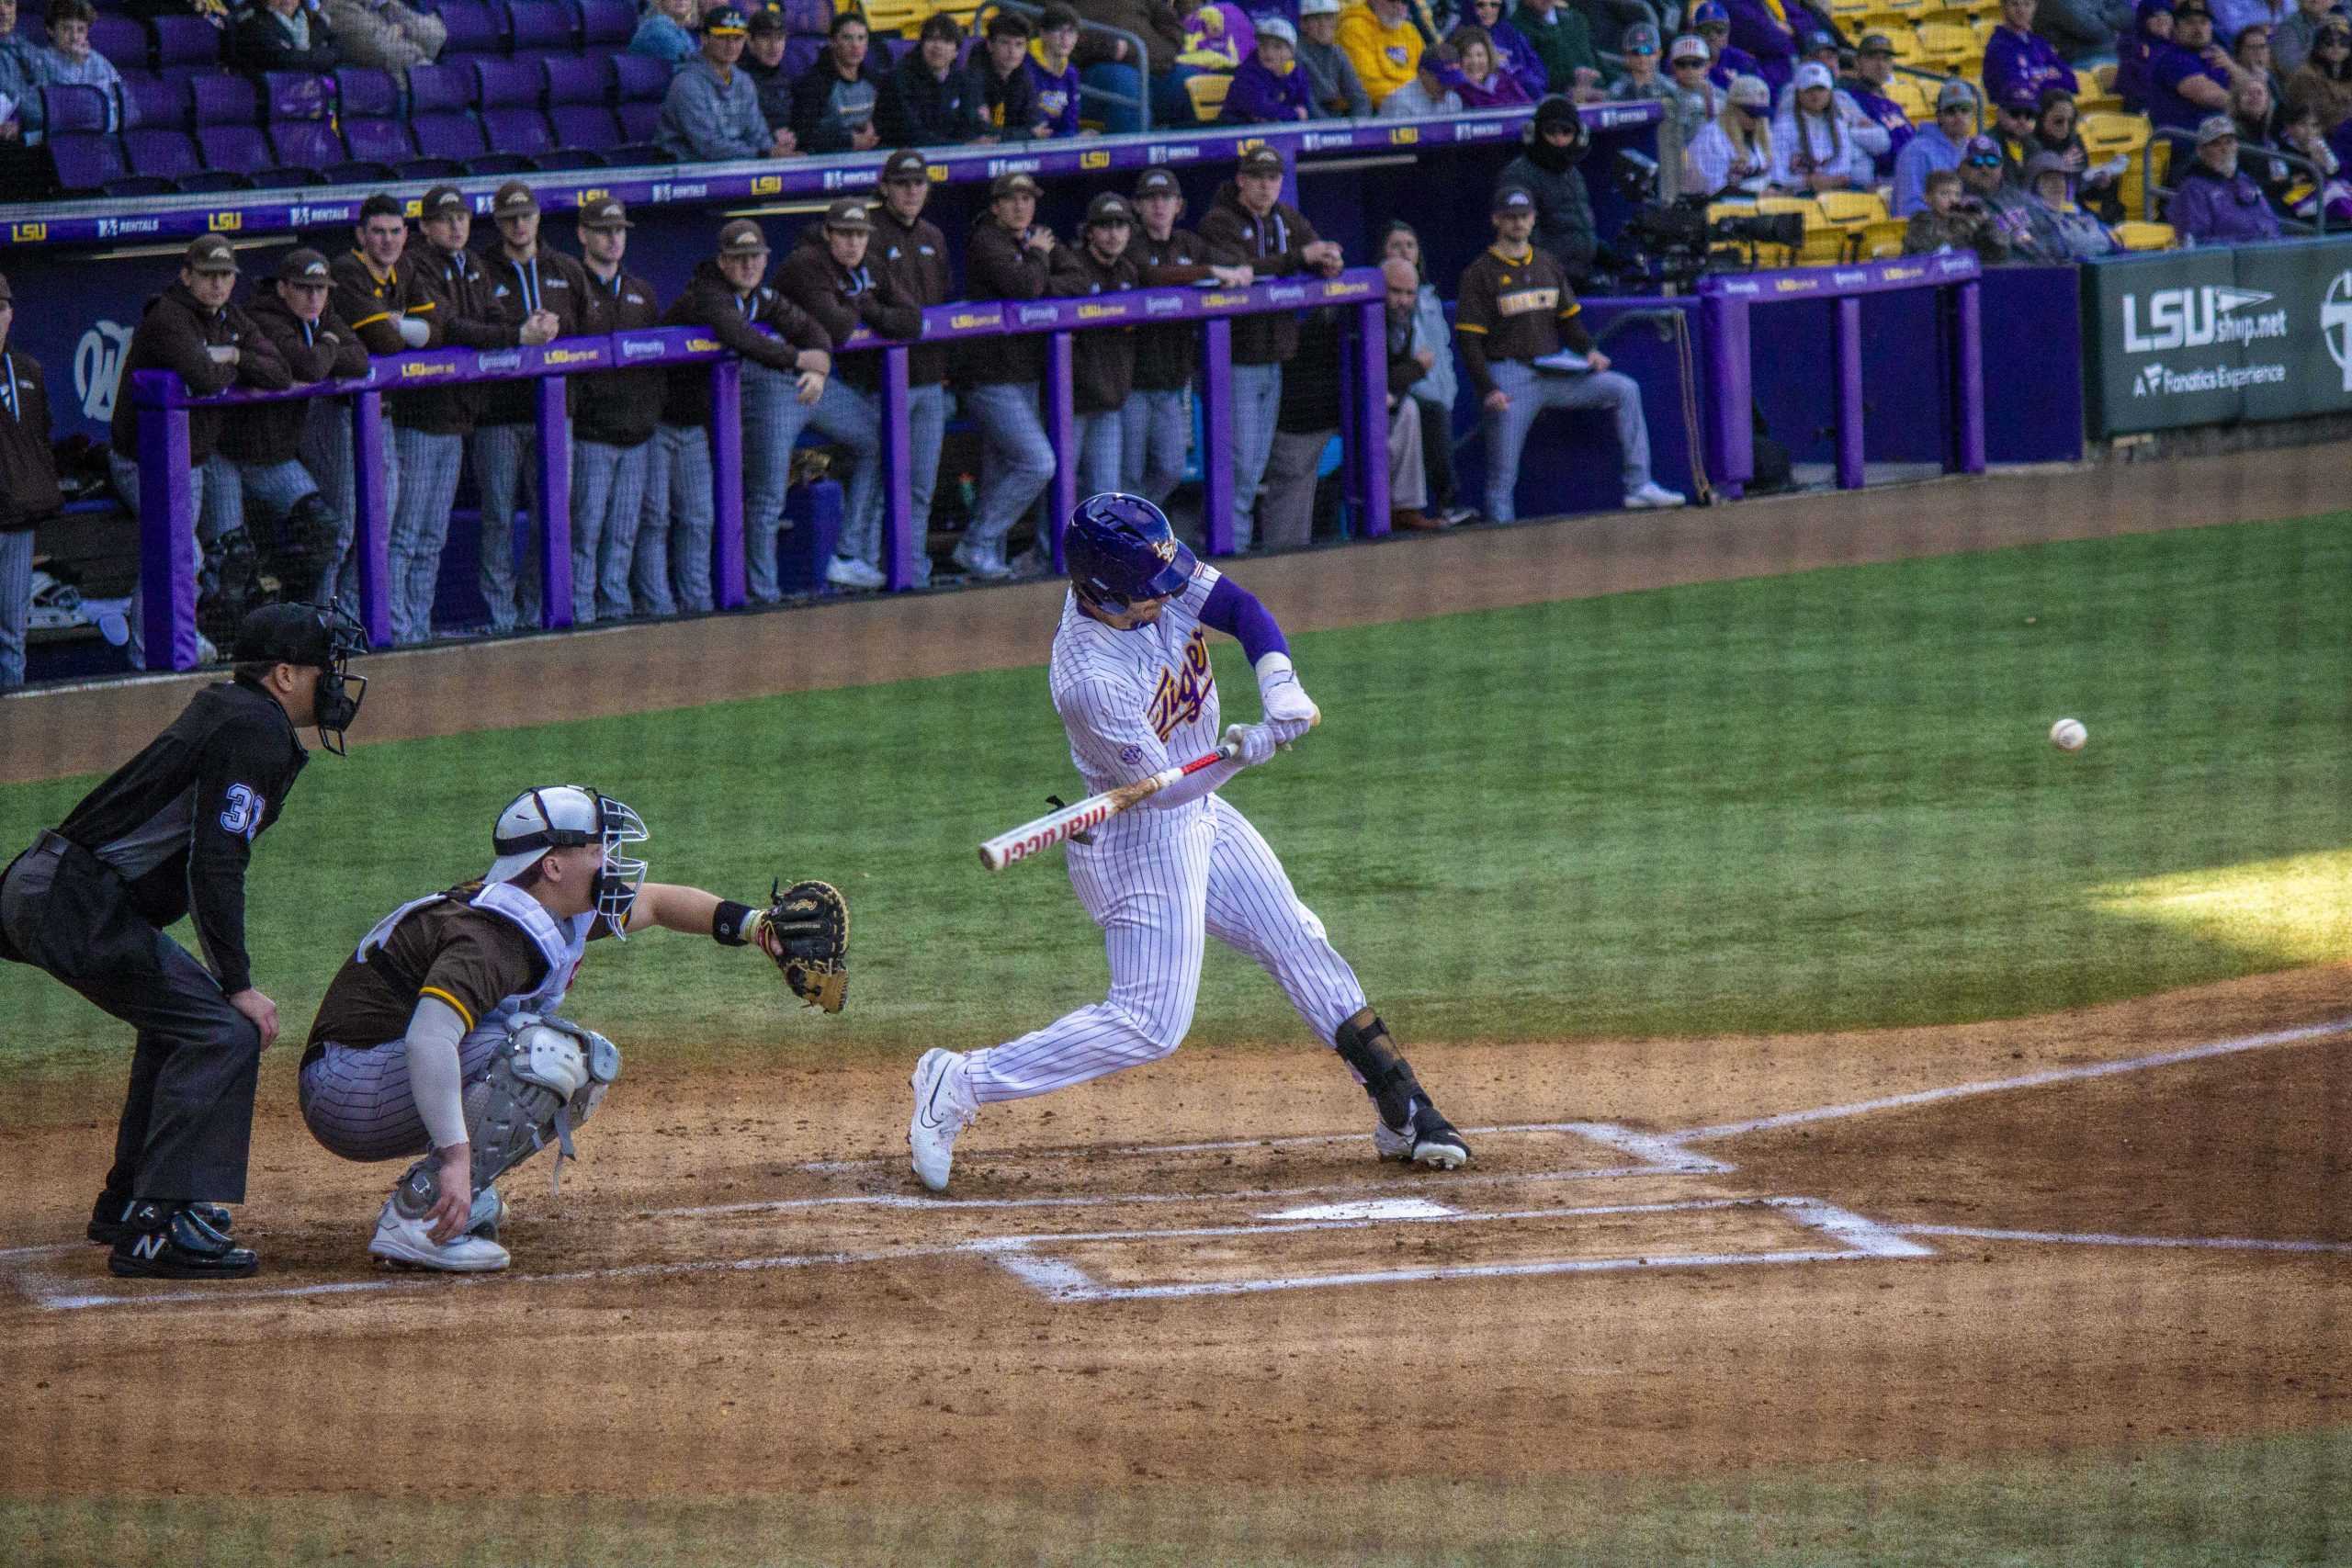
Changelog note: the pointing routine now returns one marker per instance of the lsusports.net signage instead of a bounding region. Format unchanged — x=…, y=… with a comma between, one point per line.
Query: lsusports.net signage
x=2218, y=336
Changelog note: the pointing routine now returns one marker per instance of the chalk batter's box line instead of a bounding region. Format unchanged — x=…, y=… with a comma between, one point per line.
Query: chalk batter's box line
x=1864, y=1238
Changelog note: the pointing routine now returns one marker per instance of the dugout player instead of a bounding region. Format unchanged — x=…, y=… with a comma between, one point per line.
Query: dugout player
x=439, y=1037
x=170, y=835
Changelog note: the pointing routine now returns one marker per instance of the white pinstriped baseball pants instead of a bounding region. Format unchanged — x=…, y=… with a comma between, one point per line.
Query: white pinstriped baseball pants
x=1158, y=892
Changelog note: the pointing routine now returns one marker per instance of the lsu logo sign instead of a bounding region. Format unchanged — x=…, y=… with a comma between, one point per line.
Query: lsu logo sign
x=225, y=223
x=702, y=346
x=27, y=233
x=412, y=371
x=2194, y=318
x=1404, y=135
x=593, y=193
x=766, y=184
x=1094, y=160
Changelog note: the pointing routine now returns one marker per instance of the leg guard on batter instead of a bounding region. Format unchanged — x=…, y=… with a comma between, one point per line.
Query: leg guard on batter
x=1411, y=1126
x=549, y=1076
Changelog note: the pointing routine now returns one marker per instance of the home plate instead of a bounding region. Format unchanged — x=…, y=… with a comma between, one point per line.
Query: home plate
x=1367, y=1209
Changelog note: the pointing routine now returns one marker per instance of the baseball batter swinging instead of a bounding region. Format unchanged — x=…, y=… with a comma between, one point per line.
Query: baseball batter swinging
x=1131, y=679
x=441, y=1035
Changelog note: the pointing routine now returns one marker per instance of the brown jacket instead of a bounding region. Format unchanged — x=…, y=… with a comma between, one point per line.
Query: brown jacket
x=28, y=467
x=710, y=301
x=1515, y=309
x=562, y=285
x=1102, y=360
x=998, y=266
x=469, y=319
x=369, y=302
x=840, y=303
x=1166, y=356
x=618, y=408
x=1236, y=237
x=272, y=433
x=915, y=256
x=177, y=334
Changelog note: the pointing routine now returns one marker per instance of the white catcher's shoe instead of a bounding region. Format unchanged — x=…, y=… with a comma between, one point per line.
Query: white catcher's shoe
x=409, y=1243
x=943, y=1107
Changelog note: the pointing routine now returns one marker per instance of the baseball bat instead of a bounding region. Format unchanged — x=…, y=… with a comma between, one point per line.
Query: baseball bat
x=1055, y=827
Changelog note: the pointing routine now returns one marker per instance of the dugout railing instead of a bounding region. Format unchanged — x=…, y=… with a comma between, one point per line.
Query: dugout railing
x=167, y=525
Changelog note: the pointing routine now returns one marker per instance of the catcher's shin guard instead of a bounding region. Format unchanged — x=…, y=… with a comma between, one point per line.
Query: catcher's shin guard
x=549, y=1076
x=1411, y=1127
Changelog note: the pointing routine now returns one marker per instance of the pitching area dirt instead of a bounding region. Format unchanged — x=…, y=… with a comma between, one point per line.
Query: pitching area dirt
x=742, y=1294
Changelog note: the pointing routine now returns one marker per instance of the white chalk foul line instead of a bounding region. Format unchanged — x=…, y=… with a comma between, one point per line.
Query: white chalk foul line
x=1061, y=1288
x=1681, y=1159
x=2067, y=1238
x=2026, y=1080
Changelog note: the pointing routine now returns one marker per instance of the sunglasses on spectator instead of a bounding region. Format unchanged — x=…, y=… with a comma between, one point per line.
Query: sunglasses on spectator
x=1687, y=64
x=1640, y=48
x=1985, y=162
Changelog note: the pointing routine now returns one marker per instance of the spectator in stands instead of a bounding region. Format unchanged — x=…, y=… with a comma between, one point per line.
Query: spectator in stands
x=29, y=490
x=1768, y=33
x=1933, y=147
x=2093, y=184
x=2017, y=59
x=1732, y=154
x=2191, y=78
x=1334, y=90
x=1437, y=389
x=266, y=445
x=2324, y=85
x=2291, y=40
x=928, y=102
x=1556, y=141
x=2136, y=51
x=1251, y=226
x=1103, y=365
x=384, y=34
x=191, y=328
x=1517, y=55
x=1159, y=417
x=1011, y=256
x=277, y=35
x=1952, y=221
x=69, y=61
x=2256, y=115
x=1108, y=64
x=1727, y=63
x=1815, y=147
x=1479, y=81
x=2057, y=230
x=21, y=82
x=1382, y=43
x=2083, y=30
x=2253, y=53
x=729, y=294
x=2234, y=16
x=829, y=276
x=1643, y=82
x=542, y=295
x=1218, y=36
x=913, y=253
x=1984, y=179
x=1051, y=72
x=2215, y=202
x=762, y=61
x=1696, y=100
x=2305, y=198
x=667, y=31
x=1270, y=86
x=712, y=111
x=2013, y=124
x=1514, y=308
x=1562, y=38
x=833, y=102
x=1866, y=89
x=1427, y=92
x=614, y=416
x=1001, y=84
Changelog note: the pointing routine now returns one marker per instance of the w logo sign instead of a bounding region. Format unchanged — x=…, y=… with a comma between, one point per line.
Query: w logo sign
x=97, y=367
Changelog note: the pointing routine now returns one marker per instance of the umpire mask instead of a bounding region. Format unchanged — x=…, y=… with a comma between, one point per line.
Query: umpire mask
x=557, y=817
x=322, y=636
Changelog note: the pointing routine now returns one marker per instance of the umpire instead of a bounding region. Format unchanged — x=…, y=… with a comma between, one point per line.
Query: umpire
x=168, y=834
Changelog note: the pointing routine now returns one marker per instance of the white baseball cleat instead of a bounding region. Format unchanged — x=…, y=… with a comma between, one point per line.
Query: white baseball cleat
x=1653, y=496
x=848, y=572
x=985, y=561
x=943, y=1107
x=409, y=1244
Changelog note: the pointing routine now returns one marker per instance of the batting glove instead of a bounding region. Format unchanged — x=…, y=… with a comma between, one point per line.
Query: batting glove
x=1289, y=711
x=1257, y=742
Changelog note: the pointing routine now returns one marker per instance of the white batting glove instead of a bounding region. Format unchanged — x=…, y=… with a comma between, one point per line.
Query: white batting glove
x=1256, y=741
x=1289, y=711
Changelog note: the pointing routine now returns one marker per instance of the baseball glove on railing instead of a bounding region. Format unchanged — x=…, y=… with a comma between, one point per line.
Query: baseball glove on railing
x=806, y=930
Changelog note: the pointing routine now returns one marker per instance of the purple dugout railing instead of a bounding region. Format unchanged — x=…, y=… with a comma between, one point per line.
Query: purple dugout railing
x=1725, y=298
x=167, y=521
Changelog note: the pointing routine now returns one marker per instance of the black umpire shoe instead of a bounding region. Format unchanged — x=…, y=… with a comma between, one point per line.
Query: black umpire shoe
x=173, y=1242
x=110, y=1218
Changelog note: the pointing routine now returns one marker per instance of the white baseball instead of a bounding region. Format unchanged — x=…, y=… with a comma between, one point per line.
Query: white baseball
x=2068, y=735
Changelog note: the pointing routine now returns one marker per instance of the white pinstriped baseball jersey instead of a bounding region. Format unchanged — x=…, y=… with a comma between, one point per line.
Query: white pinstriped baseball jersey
x=1135, y=702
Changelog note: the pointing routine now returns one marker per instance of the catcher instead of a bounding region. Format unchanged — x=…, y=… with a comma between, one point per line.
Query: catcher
x=441, y=1036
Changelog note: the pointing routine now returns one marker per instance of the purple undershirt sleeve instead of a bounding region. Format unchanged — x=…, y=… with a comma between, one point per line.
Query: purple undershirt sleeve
x=1235, y=611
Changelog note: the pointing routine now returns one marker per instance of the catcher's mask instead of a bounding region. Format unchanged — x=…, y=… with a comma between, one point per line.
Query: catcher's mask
x=1119, y=549
x=557, y=817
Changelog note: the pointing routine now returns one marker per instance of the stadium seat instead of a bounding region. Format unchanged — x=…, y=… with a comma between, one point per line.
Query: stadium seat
x=542, y=27
x=162, y=154
x=86, y=156
x=441, y=98
x=578, y=91
x=372, y=131
x=158, y=102
x=1851, y=209
x=186, y=46
x=296, y=95
x=123, y=40
x=606, y=26
x=2138, y=235
x=510, y=107
x=1952, y=48
x=1879, y=238
x=474, y=27
x=225, y=100
x=1207, y=90
x=640, y=86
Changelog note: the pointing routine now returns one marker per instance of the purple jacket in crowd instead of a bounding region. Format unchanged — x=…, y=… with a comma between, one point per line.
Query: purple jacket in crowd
x=1733, y=61
x=1259, y=96
x=1519, y=57
x=2135, y=55
x=2014, y=60
x=1772, y=41
x=2216, y=211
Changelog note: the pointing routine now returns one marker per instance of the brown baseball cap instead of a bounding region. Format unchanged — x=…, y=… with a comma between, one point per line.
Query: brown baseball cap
x=210, y=253
x=606, y=212
x=848, y=215
x=1156, y=182
x=1012, y=185
x=441, y=200
x=906, y=164
x=1260, y=160
x=514, y=200
x=1109, y=207
x=303, y=265
x=742, y=238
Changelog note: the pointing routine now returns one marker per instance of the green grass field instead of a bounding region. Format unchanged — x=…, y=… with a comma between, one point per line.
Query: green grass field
x=1809, y=802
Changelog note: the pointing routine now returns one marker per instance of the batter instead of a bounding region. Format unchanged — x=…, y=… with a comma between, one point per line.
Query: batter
x=1132, y=681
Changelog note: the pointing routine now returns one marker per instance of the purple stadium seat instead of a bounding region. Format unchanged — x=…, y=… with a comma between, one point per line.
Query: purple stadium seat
x=163, y=155
x=236, y=149
x=158, y=102
x=305, y=144
x=510, y=113
x=120, y=40
x=86, y=160
x=75, y=110
x=605, y=24
x=364, y=90
x=557, y=159
x=296, y=95
x=637, y=155
x=542, y=27
x=186, y=46
x=225, y=100
x=642, y=84
x=372, y=129
x=474, y=27
x=577, y=90
x=440, y=100
x=800, y=52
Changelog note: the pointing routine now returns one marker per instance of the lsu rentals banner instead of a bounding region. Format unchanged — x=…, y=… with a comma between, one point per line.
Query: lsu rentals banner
x=2218, y=336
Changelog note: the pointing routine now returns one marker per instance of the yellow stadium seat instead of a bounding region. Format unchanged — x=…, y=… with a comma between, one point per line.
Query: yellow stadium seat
x=1851, y=7
x=2104, y=135
x=1851, y=209
x=2105, y=77
x=1208, y=89
x=1908, y=10
x=903, y=17
x=1951, y=46
x=1949, y=15
x=1882, y=237
x=2137, y=235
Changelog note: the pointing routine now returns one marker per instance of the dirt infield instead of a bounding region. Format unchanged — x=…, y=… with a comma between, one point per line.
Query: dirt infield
x=1197, y=1274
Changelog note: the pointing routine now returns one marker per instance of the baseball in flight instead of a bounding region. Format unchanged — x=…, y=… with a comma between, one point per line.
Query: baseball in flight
x=2068, y=735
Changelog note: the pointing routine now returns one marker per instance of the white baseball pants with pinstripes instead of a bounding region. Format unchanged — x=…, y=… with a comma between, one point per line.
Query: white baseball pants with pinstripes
x=1158, y=892
x=358, y=1103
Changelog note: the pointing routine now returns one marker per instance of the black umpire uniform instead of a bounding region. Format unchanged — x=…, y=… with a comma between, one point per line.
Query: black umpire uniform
x=170, y=835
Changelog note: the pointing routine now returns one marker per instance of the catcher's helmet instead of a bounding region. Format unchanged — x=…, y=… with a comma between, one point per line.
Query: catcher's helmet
x=1119, y=549
x=566, y=816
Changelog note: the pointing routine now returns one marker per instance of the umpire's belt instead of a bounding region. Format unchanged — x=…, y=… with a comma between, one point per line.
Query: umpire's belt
x=59, y=846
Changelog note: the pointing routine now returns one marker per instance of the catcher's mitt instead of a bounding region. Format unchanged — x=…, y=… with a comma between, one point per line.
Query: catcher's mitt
x=806, y=930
